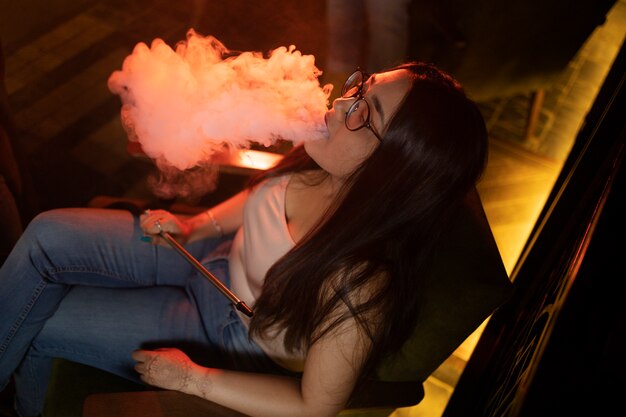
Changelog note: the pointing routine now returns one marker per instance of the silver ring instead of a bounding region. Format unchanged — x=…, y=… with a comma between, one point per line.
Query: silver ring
x=157, y=223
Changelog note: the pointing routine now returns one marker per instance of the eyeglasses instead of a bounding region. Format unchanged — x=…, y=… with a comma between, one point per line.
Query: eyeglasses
x=355, y=120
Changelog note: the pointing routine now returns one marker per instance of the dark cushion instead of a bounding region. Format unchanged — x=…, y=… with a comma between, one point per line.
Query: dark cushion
x=468, y=282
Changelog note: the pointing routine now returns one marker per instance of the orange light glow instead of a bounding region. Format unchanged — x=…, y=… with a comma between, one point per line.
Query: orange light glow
x=248, y=158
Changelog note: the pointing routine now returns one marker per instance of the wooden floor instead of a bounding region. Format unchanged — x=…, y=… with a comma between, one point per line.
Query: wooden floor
x=72, y=139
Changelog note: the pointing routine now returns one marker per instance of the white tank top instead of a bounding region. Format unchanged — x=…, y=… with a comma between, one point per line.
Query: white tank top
x=259, y=243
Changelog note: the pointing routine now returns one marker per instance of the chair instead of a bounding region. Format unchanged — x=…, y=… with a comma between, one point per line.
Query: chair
x=11, y=221
x=469, y=283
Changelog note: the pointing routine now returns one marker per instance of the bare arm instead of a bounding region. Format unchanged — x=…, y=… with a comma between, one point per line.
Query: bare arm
x=228, y=215
x=330, y=372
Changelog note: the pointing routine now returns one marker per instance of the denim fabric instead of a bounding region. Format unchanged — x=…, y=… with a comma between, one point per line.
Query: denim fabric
x=81, y=285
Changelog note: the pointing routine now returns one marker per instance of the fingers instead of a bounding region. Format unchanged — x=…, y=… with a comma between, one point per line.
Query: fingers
x=140, y=355
x=143, y=356
x=156, y=221
x=167, y=368
x=146, y=364
x=143, y=360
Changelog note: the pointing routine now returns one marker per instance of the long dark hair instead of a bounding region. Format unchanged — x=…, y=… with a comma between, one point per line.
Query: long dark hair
x=385, y=223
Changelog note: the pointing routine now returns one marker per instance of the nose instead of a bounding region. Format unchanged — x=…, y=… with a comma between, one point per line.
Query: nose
x=341, y=104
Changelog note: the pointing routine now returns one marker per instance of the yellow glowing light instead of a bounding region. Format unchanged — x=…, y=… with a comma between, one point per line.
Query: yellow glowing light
x=238, y=159
x=251, y=159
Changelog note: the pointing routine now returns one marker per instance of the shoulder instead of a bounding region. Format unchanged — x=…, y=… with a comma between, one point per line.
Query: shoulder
x=271, y=182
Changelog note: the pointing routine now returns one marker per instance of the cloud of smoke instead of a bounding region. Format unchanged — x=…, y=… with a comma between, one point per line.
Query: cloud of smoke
x=185, y=104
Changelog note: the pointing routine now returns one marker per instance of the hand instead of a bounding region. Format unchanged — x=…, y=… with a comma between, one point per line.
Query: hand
x=150, y=220
x=166, y=368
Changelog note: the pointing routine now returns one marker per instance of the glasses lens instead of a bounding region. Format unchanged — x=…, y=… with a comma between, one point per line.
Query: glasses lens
x=358, y=115
x=352, y=85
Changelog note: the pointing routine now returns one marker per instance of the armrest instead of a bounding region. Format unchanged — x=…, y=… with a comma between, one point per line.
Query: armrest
x=152, y=404
x=373, y=395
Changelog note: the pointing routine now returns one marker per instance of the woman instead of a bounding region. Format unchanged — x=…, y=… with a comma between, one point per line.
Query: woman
x=329, y=248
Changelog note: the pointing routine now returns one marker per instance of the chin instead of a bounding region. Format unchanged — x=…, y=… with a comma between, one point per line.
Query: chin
x=312, y=148
x=307, y=146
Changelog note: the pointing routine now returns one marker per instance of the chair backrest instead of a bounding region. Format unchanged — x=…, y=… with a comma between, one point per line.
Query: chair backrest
x=468, y=282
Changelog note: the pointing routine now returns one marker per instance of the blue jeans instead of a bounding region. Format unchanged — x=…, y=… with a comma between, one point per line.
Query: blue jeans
x=81, y=285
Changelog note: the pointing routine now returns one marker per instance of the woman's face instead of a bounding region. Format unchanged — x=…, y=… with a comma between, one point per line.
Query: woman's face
x=345, y=150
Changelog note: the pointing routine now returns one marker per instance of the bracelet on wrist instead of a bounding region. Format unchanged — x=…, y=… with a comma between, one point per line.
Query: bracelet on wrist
x=215, y=224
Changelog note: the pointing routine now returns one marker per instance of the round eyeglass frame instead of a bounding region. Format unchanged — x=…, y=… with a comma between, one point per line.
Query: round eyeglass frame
x=355, y=82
